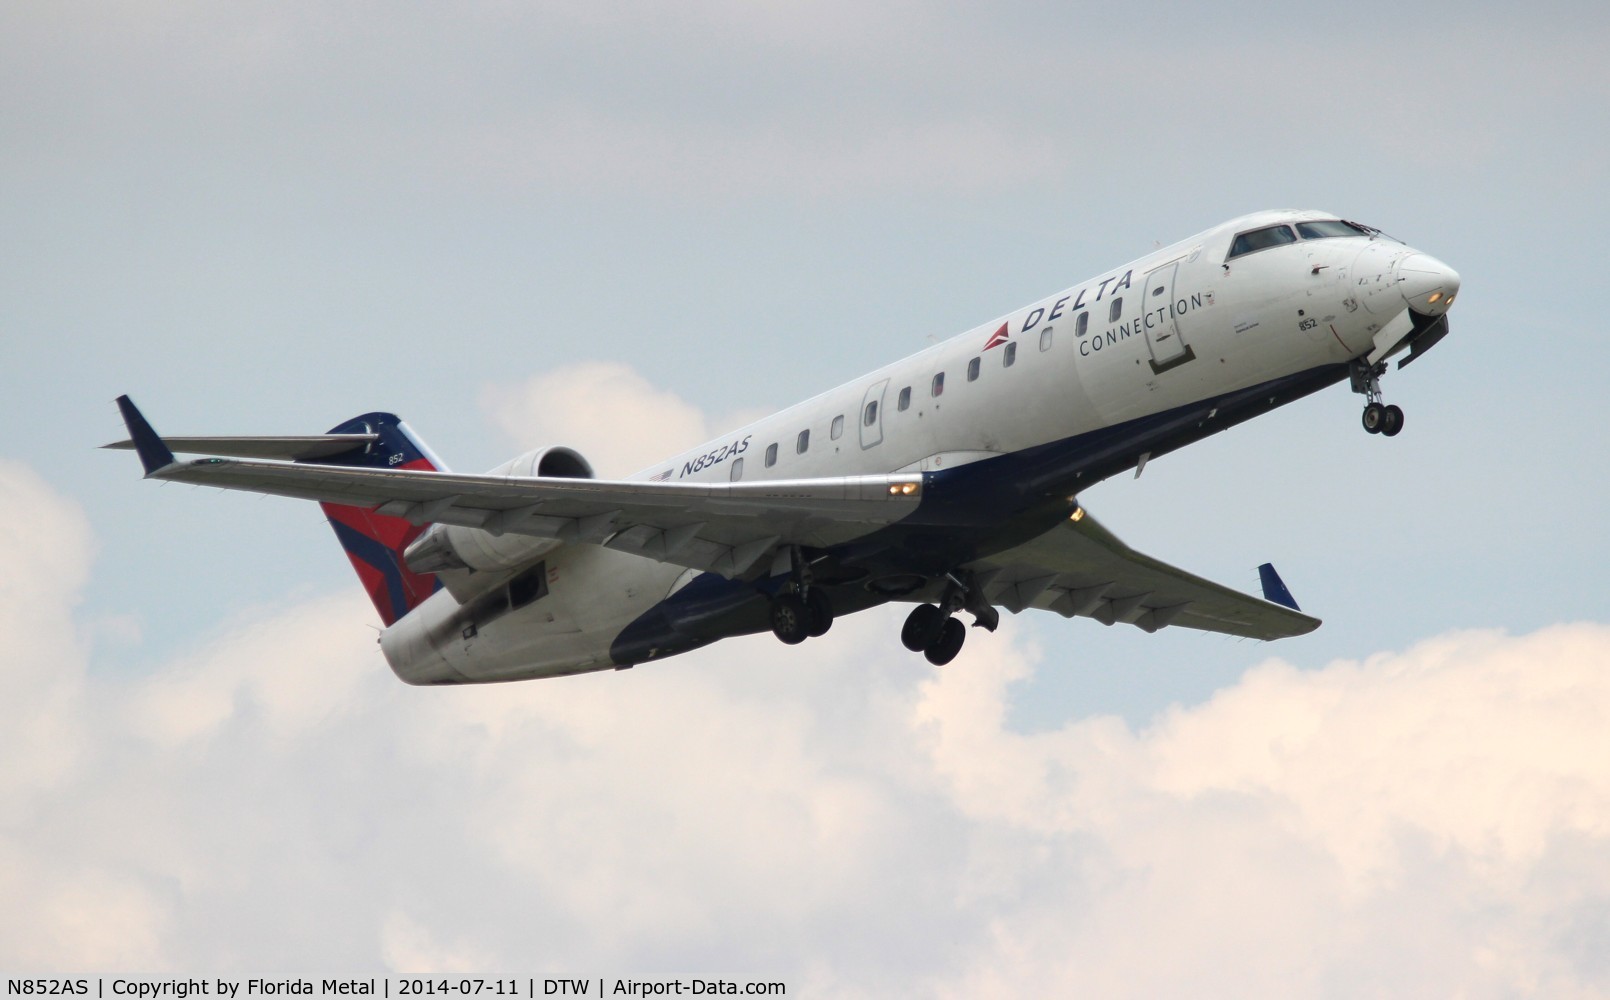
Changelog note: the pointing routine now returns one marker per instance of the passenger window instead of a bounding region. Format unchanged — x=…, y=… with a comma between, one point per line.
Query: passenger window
x=905, y=399
x=737, y=472
x=838, y=428
x=1081, y=325
x=771, y=455
x=1045, y=339
x=972, y=369
x=1261, y=239
x=1009, y=355
x=1116, y=311
x=871, y=414
x=803, y=442
x=939, y=384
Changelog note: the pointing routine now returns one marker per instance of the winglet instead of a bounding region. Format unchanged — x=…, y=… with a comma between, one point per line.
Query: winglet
x=153, y=453
x=1274, y=589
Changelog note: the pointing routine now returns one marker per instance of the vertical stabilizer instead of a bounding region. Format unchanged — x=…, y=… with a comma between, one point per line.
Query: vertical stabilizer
x=374, y=542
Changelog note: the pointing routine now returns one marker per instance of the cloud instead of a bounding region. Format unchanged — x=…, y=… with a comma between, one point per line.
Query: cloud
x=607, y=411
x=839, y=816
x=49, y=545
x=716, y=101
x=1393, y=826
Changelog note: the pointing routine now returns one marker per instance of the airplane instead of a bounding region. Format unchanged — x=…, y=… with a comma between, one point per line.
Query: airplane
x=950, y=480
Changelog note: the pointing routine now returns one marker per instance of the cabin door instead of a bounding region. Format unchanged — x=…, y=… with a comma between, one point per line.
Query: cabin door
x=1160, y=322
x=871, y=416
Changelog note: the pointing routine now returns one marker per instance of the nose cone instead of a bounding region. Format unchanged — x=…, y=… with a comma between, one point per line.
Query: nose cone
x=1428, y=285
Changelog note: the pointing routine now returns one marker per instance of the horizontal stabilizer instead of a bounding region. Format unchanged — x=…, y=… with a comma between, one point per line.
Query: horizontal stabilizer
x=295, y=449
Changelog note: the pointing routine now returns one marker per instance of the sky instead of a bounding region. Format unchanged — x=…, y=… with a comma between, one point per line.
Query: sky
x=626, y=228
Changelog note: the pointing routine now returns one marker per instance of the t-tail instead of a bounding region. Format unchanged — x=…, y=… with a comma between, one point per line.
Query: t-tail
x=375, y=542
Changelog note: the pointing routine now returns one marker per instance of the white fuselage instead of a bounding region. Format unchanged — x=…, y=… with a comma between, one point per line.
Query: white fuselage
x=1178, y=326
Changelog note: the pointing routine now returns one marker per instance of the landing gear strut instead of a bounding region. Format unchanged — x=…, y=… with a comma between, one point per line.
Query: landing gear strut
x=933, y=631
x=1379, y=418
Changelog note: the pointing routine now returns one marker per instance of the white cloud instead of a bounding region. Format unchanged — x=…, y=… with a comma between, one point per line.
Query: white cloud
x=409, y=946
x=839, y=816
x=605, y=410
x=1394, y=826
x=48, y=547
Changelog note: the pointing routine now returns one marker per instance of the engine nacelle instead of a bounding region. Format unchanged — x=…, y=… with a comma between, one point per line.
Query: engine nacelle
x=451, y=546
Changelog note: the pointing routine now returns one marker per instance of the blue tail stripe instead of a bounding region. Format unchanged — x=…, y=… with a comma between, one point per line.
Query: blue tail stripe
x=380, y=558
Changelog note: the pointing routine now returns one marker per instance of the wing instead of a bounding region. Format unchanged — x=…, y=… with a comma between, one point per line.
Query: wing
x=721, y=527
x=1081, y=568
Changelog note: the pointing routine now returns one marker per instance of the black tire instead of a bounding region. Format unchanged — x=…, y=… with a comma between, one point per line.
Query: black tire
x=922, y=626
x=790, y=620
x=820, y=613
x=1392, y=422
x=1374, y=417
x=944, y=648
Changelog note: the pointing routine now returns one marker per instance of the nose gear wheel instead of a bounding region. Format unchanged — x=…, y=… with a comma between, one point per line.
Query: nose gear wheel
x=1379, y=418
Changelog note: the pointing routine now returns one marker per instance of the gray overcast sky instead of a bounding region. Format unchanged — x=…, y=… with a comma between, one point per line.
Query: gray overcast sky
x=265, y=218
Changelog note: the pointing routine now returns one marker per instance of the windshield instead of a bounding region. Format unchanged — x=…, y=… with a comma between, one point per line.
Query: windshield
x=1324, y=230
x=1261, y=239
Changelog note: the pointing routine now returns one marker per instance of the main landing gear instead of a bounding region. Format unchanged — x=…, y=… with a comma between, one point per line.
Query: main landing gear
x=800, y=611
x=1379, y=418
x=795, y=618
x=933, y=631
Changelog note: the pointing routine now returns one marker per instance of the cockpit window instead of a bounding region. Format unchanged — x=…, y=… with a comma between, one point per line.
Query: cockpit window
x=1261, y=239
x=1325, y=230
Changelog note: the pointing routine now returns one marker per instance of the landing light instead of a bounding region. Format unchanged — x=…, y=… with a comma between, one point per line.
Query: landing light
x=1434, y=297
x=1077, y=515
x=902, y=489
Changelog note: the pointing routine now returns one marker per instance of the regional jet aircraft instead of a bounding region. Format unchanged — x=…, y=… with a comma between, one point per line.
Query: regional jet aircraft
x=949, y=480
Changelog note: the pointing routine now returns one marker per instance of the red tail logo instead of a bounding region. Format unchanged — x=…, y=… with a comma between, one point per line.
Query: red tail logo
x=375, y=543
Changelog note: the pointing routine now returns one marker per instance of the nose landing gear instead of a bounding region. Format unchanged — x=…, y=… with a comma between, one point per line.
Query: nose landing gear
x=1379, y=418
